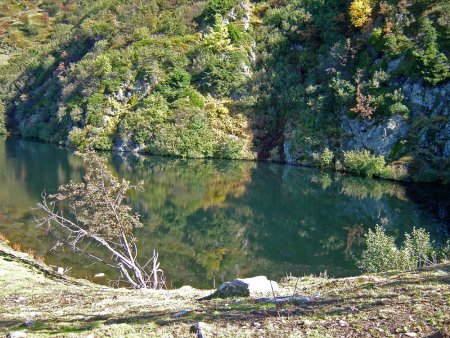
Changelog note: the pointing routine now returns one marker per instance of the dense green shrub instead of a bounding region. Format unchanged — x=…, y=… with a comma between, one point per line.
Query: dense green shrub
x=343, y=90
x=234, y=33
x=324, y=159
x=215, y=7
x=217, y=65
x=78, y=139
x=176, y=86
x=140, y=125
x=188, y=135
x=364, y=163
x=231, y=147
x=398, y=108
x=197, y=137
x=418, y=248
x=89, y=138
x=95, y=109
x=102, y=142
x=382, y=254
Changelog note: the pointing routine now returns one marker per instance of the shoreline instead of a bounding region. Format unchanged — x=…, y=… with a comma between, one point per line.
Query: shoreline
x=407, y=181
x=38, y=302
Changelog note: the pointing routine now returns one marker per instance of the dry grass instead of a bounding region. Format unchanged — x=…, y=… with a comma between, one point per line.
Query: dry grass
x=36, y=300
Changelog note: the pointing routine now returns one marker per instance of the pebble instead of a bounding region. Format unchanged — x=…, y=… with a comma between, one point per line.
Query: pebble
x=343, y=323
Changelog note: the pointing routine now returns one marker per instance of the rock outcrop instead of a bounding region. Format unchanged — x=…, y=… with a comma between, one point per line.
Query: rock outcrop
x=426, y=127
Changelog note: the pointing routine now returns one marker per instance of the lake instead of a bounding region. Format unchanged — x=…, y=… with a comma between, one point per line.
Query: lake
x=214, y=220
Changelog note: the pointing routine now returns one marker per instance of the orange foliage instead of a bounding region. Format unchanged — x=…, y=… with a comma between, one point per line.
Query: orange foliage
x=363, y=107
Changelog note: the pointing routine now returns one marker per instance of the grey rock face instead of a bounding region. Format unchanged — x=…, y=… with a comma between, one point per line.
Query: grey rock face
x=128, y=146
x=289, y=158
x=295, y=152
x=379, y=137
x=429, y=104
x=245, y=288
x=392, y=65
x=433, y=104
x=427, y=100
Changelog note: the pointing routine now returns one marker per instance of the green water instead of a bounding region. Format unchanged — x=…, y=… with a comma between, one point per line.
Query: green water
x=214, y=220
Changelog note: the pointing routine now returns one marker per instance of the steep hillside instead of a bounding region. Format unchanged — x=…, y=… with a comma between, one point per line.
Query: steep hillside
x=302, y=81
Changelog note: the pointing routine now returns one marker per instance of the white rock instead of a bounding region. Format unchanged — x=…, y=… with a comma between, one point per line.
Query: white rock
x=245, y=287
x=16, y=334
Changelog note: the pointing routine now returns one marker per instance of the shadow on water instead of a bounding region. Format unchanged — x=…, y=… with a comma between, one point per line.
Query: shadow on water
x=213, y=220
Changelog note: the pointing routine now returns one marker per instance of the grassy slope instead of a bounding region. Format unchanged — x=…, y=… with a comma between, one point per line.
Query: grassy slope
x=386, y=305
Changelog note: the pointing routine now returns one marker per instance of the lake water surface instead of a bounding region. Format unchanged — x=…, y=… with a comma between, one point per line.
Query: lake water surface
x=214, y=220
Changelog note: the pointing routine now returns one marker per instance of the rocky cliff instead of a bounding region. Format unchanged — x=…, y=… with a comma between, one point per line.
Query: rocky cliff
x=281, y=81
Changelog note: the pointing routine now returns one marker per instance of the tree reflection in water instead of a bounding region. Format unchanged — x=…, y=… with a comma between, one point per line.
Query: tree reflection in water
x=215, y=220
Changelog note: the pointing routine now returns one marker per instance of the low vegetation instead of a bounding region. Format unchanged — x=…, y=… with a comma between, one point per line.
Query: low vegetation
x=382, y=254
x=365, y=163
x=324, y=159
x=40, y=303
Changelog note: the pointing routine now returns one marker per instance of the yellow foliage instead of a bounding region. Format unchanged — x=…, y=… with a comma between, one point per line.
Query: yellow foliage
x=360, y=11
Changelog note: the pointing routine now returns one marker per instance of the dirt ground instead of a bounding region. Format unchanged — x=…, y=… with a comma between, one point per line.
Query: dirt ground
x=38, y=302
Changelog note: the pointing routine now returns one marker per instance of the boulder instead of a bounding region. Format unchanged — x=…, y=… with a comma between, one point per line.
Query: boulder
x=245, y=288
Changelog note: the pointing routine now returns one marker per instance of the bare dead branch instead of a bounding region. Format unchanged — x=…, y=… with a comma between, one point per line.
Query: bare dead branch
x=97, y=213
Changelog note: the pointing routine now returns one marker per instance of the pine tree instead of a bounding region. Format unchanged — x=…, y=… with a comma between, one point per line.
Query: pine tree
x=433, y=65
